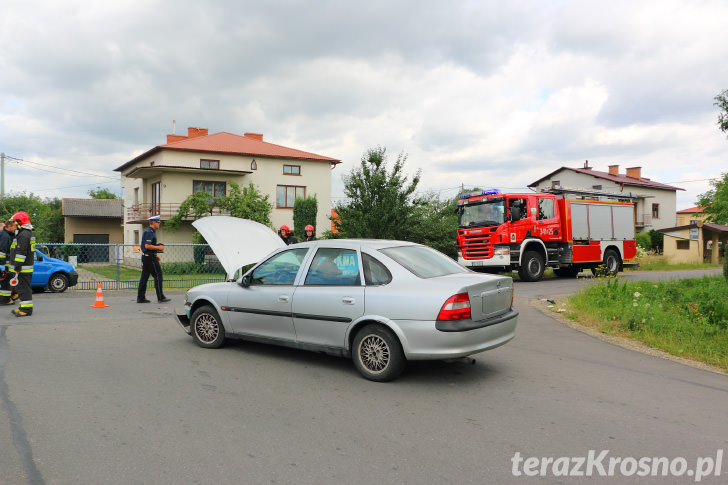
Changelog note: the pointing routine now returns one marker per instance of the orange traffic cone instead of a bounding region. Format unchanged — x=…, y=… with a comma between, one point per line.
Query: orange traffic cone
x=99, y=303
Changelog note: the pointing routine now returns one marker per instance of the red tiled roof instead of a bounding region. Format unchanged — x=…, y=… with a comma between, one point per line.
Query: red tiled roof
x=692, y=210
x=619, y=179
x=234, y=144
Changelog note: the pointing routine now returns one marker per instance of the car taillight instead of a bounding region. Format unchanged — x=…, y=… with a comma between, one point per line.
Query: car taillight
x=457, y=307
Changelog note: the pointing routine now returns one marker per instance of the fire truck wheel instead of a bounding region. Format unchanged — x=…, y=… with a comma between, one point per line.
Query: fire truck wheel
x=612, y=262
x=533, y=266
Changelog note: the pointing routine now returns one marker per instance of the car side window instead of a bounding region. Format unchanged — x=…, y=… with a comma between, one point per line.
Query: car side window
x=375, y=273
x=281, y=269
x=334, y=266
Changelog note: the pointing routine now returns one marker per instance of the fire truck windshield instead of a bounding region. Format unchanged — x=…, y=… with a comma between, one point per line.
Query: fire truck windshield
x=482, y=213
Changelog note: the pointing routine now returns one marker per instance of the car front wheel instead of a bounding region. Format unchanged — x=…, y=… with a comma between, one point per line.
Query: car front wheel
x=207, y=329
x=377, y=354
x=58, y=283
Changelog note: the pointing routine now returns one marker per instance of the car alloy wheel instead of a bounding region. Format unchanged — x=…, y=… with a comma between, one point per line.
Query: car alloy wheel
x=207, y=329
x=378, y=355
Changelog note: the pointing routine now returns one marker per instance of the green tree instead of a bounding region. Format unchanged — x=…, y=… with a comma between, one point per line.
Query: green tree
x=379, y=204
x=45, y=215
x=304, y=213
x=245, y=203
x=721, y=101
x=715, y=201
x=100, y=193
x=437, y=223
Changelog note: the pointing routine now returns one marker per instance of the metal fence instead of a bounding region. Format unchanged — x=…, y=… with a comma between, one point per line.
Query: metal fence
x=118, y=266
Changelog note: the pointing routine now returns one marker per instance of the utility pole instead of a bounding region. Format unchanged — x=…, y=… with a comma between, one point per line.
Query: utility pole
x=2, y=175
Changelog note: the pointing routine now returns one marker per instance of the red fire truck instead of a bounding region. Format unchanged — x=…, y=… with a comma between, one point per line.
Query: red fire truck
x=568, y=230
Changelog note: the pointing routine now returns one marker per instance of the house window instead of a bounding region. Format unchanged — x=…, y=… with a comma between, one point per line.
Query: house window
x=215, y=189
x=683, y=244
x=136, y=196
x=555, y=183
x=210, y=164
x=287, y=194
x=253, y=165
x=597, y=187
x=136, y=237
x=156, y=198
x=291, y=170
x=655, y=211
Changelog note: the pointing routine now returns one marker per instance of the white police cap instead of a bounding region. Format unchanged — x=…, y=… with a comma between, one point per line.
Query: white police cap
x=155, y=219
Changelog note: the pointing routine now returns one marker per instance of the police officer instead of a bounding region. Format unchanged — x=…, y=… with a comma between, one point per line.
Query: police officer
x=285, y=234
x=309, y=233
x=150, y=262
x=21, y=258
x=7, y=234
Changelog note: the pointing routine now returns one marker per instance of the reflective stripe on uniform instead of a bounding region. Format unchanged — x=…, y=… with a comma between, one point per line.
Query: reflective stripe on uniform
x=26, y=304
x=20, y=258
x=4, y=292
x=26, y=269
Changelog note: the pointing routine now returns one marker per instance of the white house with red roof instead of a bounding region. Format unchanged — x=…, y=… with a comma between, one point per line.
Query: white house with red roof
x=655, y=203
x=160, y=179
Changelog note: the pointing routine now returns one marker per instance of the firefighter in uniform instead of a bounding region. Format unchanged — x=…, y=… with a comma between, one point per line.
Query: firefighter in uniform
x=7, y=234
x=21, y=258
x=309, y=233
x=285, y=234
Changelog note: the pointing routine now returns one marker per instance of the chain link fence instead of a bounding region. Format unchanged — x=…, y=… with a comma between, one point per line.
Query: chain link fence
x=118, y=266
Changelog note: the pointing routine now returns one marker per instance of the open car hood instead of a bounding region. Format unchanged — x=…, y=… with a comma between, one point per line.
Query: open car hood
x=237, y=242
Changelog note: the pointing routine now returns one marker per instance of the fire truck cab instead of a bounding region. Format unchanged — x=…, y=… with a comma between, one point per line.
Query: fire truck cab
x=568, y=230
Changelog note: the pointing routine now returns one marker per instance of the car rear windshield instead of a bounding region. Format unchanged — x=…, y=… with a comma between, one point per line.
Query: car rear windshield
x=423, y=261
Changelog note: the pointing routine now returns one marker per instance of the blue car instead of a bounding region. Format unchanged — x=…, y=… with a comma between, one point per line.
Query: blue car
x=52, y=273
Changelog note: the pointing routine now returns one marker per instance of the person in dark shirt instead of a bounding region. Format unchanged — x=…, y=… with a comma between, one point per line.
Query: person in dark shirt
x=285, y=233
x=7, y=234
x=150, y=262
x=308, y=232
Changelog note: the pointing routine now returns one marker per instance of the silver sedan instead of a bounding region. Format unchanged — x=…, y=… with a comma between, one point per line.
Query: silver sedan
x=379, y=302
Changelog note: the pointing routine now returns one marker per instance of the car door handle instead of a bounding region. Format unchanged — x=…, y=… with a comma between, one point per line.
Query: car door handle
x=348, y=300
x=283, y=298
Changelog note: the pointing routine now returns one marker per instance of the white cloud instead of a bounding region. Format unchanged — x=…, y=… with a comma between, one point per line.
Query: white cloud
x=486, y=93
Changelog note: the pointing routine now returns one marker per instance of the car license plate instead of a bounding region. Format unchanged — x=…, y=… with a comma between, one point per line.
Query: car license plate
x=477, y=263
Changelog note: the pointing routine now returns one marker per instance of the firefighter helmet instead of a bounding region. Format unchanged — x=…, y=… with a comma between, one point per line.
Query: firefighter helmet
x=21, y=218
x=308, y=228
x=285, y=228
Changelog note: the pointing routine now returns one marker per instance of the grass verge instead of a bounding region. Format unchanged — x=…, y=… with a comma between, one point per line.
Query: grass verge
x=687, y=318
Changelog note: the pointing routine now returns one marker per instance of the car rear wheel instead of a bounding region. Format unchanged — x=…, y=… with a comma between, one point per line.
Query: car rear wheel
x=207, y=329
x=377, y=354
x=58, y=283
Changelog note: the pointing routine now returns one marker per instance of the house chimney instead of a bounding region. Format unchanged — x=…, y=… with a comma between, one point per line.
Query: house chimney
x=193, y=132
x=614, y=170
x=586, y=165
x=634, y=172
x=174, y=138
x=254, y=136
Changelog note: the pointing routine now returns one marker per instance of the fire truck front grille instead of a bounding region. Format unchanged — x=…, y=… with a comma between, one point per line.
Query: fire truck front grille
x=477, y=246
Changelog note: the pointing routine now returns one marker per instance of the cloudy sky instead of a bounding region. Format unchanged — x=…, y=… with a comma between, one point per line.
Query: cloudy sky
x=484, y=93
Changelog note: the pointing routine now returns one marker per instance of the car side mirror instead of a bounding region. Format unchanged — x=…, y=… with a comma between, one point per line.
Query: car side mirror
x=245, y=280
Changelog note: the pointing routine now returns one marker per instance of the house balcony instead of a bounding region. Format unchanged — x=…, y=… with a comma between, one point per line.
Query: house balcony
x=643, y=220
x=140, y=213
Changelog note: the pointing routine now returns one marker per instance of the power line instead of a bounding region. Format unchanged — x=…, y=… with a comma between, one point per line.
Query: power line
x=19, y=160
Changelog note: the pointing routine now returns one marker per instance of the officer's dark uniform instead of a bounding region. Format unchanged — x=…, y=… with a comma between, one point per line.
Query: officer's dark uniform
x=6, y=240
x=150, y=266
x=21, y=258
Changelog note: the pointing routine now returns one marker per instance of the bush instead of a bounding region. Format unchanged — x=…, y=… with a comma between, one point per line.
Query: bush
x=725, y=263
x=644, y=241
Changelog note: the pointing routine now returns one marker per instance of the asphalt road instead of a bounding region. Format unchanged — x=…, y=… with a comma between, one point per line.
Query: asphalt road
x=121, y=395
